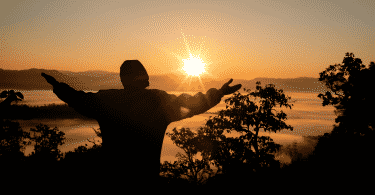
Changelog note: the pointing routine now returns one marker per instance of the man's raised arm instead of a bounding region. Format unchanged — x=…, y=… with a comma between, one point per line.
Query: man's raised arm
x=76, y=99
x=200, y=103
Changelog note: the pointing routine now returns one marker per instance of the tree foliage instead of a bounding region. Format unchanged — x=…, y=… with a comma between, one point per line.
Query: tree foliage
x=13, y=141
x=84, y=158
x=350, y=94
x=46, y=142
x=14, y=96
x=196, y=171
x=249, y=153
x=248, y=117
x=349, y=146
x=10, y=96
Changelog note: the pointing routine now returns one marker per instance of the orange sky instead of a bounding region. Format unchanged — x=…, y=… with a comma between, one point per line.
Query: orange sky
x=239, y=39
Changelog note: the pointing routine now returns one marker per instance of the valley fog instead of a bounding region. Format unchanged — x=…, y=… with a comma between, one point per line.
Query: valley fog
x=307, y=116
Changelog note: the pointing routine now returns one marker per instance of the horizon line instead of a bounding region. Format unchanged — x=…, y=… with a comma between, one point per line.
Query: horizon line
x=151, y=74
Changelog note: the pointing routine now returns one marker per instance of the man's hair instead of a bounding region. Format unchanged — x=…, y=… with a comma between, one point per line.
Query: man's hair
x=130, y=70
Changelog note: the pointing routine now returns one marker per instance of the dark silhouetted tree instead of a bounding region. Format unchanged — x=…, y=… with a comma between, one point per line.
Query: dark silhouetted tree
x=172, y=174
x=348, y=148
x=197, y=171
x=238, y=157
x=83, y=157
x=171, y=170
x=43, y=163
x=13, y=142
x=350, y=94
x=99, y=134
x=10, y=96
x=46, y=145
x=247, y=118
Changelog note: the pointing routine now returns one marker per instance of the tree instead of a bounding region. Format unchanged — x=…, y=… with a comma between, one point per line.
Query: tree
x=99, y=134
x=10, y=96
x=350, y=94
x=187, y=165
x=83, y=157
x=13, y=141
x=46, y=145
x=247, y=118
x=43, y=163
x=346, y=150
x=228, y=154
x=171, y=174
x=245, y=154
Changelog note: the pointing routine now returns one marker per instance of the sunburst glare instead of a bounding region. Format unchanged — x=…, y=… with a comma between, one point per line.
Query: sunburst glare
x=193, y=66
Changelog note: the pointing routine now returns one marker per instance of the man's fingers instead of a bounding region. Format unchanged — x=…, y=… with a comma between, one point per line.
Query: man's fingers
x=228, y=90
x=238, y=87
x=229, y=82
x=49, y=78
x=226, y=85
x=235, y=88
x=45, y=75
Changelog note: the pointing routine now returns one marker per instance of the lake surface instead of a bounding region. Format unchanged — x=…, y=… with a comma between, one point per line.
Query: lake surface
x=307, y=116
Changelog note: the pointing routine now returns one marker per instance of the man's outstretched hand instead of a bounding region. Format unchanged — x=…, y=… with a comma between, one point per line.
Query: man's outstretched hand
x=226, y=89
x=50, y=79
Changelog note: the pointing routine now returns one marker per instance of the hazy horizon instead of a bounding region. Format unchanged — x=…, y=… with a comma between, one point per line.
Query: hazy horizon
x=166, y=74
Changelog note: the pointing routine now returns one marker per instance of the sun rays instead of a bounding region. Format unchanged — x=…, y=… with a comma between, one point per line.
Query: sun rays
x=193, y=59
x=193, y=65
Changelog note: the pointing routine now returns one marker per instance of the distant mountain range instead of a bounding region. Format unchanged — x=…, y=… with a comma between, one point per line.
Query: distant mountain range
x=94, y=80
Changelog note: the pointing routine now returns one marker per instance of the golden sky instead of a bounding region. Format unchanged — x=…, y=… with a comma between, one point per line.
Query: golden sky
x=240, y=39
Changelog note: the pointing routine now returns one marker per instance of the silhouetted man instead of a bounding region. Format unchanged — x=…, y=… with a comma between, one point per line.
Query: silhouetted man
x=133, y=120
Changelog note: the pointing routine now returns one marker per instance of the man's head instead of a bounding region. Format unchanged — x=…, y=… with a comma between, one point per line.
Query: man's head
x=133, y=73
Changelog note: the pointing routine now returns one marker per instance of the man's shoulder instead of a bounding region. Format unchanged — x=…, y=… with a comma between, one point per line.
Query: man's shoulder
x=126, y=93
x=107, y=94
x=110, y=91
x=161, y=94
x=130, y=93
x=155, y=91
x=105, y=90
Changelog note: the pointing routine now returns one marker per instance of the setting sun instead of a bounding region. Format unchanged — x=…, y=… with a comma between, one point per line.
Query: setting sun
x=195, y=62
x=194, y=65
